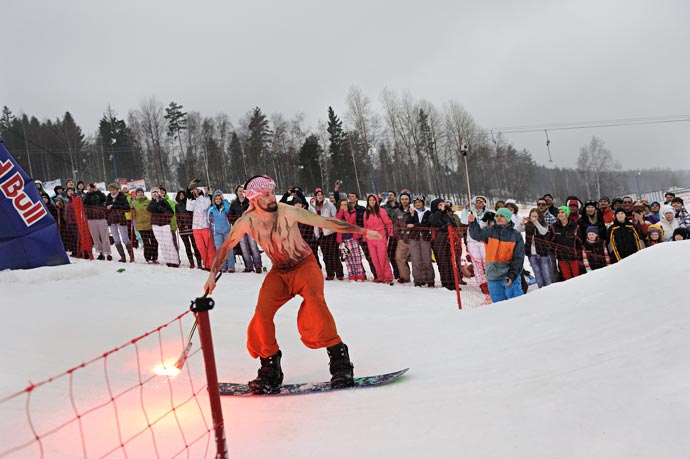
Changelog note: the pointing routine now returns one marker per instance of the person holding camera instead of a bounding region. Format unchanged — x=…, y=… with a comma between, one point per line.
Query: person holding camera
x=198, y=203
x=441, y=223
x=295, y=192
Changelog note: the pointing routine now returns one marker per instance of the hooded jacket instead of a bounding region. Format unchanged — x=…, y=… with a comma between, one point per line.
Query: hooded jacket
x=218, y=217
x=505, y=250
x=667, y=226
x=380, y=222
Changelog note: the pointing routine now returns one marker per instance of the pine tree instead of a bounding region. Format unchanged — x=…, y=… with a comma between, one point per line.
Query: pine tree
x=6, y=118
x=73, y=139
x=309, y=162
x=121, y=151
x=340, y=152
x=177, y=122
x=240, y=172
x=258, y=142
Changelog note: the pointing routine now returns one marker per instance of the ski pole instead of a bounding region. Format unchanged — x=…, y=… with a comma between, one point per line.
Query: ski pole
x=185, y=352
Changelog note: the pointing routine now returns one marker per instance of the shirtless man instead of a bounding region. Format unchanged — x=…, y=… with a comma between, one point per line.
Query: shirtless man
x=294, y=272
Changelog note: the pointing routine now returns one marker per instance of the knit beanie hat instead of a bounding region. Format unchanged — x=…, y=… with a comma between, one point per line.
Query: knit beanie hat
x=505, y=212
x=620, y=209
x=565, y=209
x=593, y=229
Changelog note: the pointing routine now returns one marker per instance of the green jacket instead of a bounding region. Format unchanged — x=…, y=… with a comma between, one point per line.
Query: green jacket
x=173, y=221
x=142, y=216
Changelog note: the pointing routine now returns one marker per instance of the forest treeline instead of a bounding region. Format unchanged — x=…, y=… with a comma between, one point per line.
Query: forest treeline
x=406, y=143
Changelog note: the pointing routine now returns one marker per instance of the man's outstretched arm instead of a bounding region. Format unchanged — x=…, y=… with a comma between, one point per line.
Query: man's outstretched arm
x=333, y=224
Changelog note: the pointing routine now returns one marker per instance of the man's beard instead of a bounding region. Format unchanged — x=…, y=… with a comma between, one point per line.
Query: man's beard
x=272, y=207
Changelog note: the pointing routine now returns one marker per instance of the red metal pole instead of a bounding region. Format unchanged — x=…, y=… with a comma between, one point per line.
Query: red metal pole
x=452, y=237
x=212, y=379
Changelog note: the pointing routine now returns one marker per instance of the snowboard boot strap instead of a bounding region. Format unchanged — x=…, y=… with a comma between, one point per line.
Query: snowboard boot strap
x=340, y=366
x=269, y=377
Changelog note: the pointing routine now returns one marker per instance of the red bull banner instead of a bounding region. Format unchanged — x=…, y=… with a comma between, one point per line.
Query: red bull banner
x=29, y=235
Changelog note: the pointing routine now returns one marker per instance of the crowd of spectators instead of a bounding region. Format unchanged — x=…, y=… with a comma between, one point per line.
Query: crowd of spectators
x=559, y=243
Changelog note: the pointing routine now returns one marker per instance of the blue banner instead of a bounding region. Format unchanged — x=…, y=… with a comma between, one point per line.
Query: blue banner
x=29, y=235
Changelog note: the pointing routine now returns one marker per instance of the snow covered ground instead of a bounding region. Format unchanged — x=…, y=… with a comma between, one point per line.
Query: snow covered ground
x=593, y=368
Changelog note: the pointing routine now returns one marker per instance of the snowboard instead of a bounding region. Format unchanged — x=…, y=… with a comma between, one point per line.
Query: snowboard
x=234, y=389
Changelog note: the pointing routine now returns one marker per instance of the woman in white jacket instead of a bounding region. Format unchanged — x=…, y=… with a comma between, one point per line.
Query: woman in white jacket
x=476, y=248
x=668, y=222
x=198, y=204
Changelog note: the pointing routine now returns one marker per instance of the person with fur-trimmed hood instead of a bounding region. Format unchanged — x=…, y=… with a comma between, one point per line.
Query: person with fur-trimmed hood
x=655, y=235
x=505, y=253
x=623, y=237
x=668, y=221
x=377, y=219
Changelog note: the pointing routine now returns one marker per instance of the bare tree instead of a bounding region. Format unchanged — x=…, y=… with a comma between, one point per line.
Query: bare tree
x=593, y=162
x=359, y=115
x=391, y=107
x=149, y=128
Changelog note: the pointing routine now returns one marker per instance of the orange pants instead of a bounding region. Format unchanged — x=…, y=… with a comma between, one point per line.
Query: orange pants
x=314, y=321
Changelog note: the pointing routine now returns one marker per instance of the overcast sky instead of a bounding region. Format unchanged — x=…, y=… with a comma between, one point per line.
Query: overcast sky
x=508, y=62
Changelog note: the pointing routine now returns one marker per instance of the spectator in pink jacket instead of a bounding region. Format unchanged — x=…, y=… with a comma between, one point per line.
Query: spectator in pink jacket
x=376, y=218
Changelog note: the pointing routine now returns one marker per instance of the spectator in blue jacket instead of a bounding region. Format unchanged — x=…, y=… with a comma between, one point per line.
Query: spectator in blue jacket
x=220, y=226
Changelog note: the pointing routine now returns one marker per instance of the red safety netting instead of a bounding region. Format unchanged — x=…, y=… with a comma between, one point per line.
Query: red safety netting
x=126, y=402
x=423, y=256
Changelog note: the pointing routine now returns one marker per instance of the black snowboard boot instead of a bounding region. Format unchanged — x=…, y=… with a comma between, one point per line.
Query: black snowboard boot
x=269, y=377
x=340, y=366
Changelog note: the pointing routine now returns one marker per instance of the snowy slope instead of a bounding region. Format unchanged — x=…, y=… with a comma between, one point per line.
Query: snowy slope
x=593, y=368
